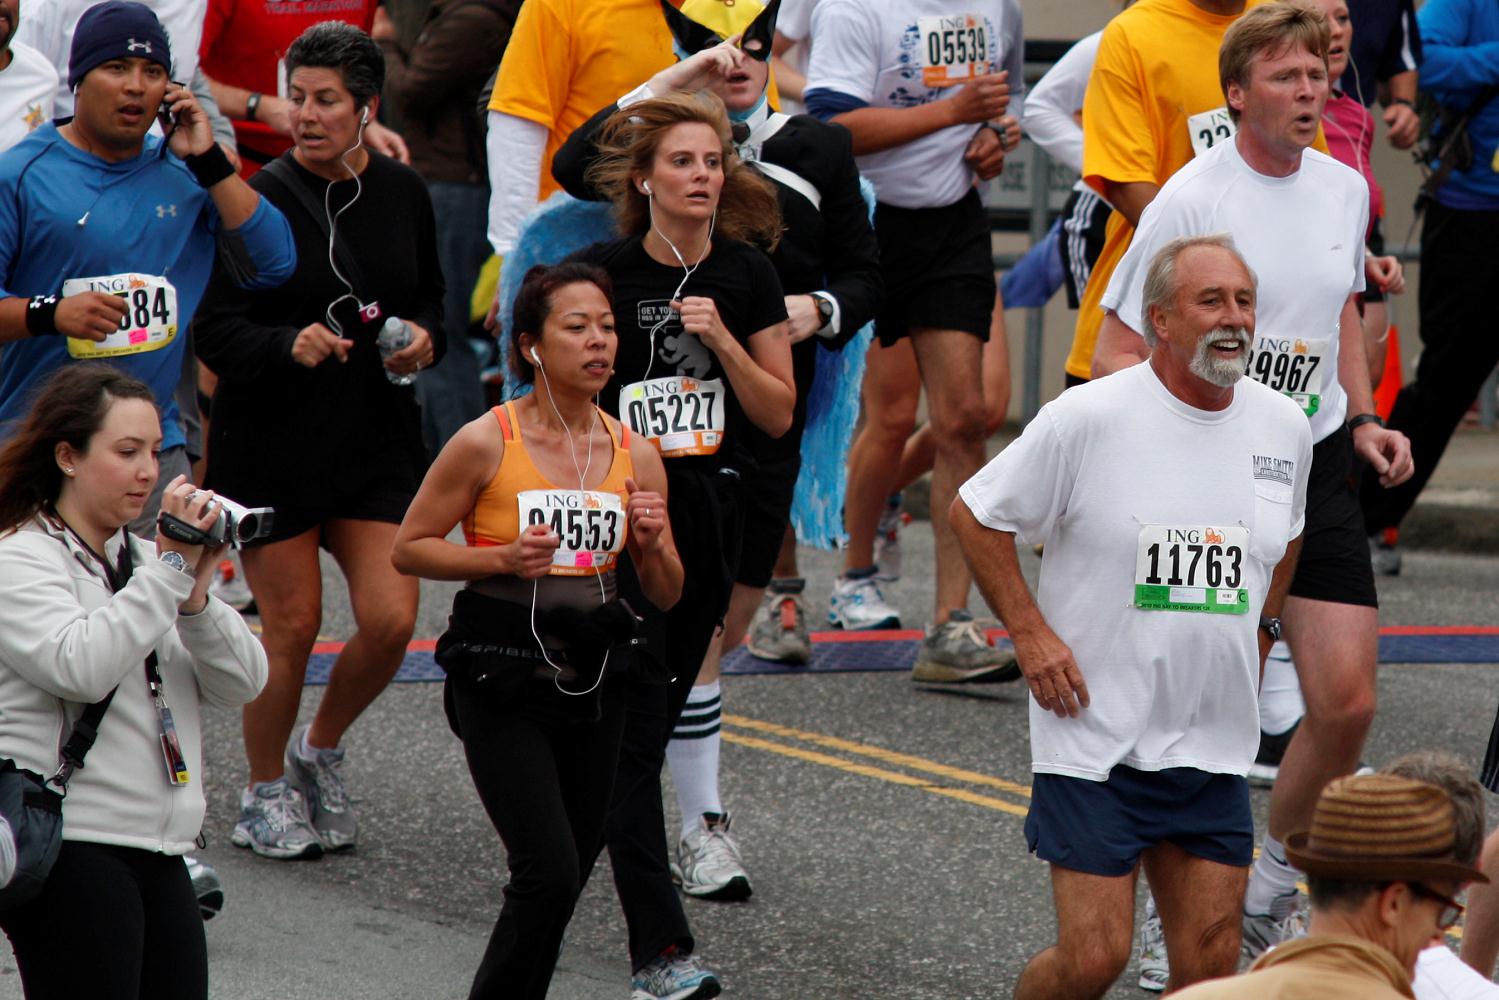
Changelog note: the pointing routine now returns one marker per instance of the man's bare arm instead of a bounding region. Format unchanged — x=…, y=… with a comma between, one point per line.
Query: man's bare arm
x=1129, y=200
x=1118, y=346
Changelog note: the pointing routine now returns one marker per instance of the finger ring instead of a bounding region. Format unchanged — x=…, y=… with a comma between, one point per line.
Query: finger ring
x=647, y=512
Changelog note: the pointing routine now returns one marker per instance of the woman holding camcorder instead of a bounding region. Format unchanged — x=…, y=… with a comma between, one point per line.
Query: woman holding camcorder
x=92, y=616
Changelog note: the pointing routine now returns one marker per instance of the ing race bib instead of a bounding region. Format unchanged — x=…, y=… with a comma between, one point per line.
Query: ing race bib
x=1292, y=366
x=1209, y=129
x=680, y=415
x=590, y=524
x=150, y=320
x=954, y=48
x=1192, y=568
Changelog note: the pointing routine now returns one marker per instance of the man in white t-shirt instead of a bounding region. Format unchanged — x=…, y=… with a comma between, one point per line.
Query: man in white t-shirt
x=1299, y=217
x=921, y=85
x=27, y=81
x=1170, y=499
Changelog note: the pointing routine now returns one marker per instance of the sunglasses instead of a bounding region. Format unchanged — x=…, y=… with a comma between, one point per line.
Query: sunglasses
x=1452, y=910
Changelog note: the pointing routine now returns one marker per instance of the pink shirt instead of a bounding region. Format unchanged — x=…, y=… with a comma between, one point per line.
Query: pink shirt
x=1349, y=128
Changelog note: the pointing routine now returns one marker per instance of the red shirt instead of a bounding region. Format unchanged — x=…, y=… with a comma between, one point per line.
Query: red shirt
x=243, y=45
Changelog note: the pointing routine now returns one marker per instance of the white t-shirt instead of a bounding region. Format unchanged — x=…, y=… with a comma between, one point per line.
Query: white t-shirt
x=27, y=86
x=1441, y=975
x=1052, y=105
x=879, y=51
x=1302, y=235
x=1099, y=469
x=47, y=25
x=795, y=22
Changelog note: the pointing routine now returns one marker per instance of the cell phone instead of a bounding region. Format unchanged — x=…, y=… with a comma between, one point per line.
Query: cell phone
x=164, y=116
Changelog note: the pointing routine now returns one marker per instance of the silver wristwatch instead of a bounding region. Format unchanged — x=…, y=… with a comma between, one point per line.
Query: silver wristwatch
x=176, y=561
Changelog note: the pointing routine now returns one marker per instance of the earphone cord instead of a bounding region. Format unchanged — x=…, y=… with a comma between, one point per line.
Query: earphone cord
x=650, y=202
x=582, y=493
x=333, y=218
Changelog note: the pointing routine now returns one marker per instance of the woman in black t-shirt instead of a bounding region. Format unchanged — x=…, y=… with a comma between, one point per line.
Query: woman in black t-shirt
x=703, y=351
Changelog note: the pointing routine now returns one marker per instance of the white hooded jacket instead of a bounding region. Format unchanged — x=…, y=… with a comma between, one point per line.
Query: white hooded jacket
x=66, y=641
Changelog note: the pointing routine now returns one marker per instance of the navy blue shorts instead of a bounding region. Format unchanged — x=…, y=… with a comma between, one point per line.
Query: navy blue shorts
x=1102, y=827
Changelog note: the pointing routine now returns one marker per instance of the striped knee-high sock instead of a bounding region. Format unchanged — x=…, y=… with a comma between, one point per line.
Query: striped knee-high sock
x=693, y=754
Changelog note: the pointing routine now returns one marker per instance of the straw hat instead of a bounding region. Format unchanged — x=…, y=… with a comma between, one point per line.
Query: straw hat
x=1380, y=827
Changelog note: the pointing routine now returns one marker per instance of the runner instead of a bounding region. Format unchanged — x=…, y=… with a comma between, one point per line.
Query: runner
x=315, y=416
x=921, y=86
x=121, y=230
x=1258, y=187
x=27, y=81
x=827, y=264
x=703, y=355
x=1170, y=499
x=540, y=724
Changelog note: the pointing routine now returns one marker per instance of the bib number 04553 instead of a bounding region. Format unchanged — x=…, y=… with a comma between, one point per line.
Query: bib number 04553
x=1191, y=568
x=591, y=527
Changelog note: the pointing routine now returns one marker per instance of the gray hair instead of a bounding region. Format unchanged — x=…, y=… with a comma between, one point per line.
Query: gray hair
x=1160, y=277
x=1435, y=767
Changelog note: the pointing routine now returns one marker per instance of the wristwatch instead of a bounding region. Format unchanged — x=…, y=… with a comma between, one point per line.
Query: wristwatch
x=824, y=310
x=1365, y=418
x=252, y=106
x=175, y=560
x=1271, y=627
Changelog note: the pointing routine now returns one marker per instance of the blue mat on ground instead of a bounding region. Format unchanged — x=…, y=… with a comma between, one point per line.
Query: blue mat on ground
x=832, y=657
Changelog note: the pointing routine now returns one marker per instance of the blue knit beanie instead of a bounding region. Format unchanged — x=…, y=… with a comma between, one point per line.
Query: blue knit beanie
x=117, y=29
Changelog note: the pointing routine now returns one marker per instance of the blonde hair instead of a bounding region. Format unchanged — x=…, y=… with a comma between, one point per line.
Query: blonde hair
x=748, y=209
x=1276, y=26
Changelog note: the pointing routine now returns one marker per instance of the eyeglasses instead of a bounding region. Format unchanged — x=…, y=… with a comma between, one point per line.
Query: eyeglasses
x=1452, y=910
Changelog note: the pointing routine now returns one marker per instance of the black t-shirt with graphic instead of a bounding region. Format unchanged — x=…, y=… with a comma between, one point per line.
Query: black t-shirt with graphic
x=741, y=282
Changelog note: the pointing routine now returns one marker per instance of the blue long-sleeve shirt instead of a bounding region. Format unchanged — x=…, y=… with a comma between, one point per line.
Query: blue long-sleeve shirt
x=1460, y=56
x=66, y=214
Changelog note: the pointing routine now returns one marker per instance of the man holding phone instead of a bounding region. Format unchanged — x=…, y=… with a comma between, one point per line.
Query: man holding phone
x=108, y=236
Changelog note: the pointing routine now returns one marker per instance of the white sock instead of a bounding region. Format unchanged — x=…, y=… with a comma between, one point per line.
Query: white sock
x=693, y=754
x=1280, y=697
x=1272, y=881
x=306, y=750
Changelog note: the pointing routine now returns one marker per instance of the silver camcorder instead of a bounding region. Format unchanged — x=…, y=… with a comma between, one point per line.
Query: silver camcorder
x=238, y=524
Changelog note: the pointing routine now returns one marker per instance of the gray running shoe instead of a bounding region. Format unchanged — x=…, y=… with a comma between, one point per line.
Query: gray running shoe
x=321, y=783
x=708, y=864
x=1155, y=971
x=958, y=652
x=1384, y=555
x=206, y=886
x=779, y=631
x=674, y=976
x=273, y=823
x=1286, y=921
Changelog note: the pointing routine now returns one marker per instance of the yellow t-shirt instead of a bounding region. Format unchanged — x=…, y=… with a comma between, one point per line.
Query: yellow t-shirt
x=568, y=58
x=1157, y=66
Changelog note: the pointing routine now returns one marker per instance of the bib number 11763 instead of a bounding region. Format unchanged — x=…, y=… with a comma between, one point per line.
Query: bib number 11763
x=1191, y=568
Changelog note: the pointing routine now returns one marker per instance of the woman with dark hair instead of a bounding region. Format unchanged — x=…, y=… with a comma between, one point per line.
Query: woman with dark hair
x=92, y=612
x=313, y=417
x=550, y=491
x=703, y=354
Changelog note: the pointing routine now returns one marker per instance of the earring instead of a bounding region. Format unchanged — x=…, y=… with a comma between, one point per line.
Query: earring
x=68, y=471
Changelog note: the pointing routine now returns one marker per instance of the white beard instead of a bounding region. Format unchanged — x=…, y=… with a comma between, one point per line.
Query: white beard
x=1220, y=371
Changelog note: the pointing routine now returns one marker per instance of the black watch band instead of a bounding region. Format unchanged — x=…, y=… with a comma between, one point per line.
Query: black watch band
x=1365, y=418
x=824, y=309
x=1400, y=100
x=1271, y=626
x=252, y=105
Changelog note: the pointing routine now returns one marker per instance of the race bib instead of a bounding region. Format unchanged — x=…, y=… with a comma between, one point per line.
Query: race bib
x=1192, y=569
x=1209, y=128
x=680, y=415
x=954, y=49
x=590, y=524
x=150, y=320
x=1292, y=366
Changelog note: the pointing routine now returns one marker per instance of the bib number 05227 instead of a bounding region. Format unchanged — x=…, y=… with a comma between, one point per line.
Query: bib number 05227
x=680, y=415
x=1190, y=568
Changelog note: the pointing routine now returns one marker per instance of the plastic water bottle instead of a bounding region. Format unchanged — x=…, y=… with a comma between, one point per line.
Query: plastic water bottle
x=394, y=336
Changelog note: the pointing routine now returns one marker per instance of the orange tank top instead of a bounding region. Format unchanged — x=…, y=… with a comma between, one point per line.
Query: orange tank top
x=591, y=524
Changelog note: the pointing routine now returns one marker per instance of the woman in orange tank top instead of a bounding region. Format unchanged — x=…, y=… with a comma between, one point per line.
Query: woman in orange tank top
x=550, y=492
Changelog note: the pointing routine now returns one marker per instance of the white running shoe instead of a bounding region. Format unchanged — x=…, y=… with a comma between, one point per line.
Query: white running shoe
x=1286, y=921
x=708, y=864
x=858, y=605
x=1155, y=971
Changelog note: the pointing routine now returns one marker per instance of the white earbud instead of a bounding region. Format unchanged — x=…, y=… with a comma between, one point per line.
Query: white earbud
x=645, y=186
x=364, y=119
x=536, y=359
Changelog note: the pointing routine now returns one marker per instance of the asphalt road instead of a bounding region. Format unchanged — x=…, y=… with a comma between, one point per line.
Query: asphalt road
x=881, y=824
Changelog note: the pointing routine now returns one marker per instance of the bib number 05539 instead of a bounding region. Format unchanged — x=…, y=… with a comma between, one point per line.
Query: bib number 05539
x=1191, y=568
x=591, y=526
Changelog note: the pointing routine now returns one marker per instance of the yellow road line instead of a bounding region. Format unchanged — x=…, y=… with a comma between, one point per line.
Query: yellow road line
x=880, y=754
x=868, y=771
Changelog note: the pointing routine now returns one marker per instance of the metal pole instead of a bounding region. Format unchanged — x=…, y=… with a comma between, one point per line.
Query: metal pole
x=1488, y=400
x=1035, y=322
